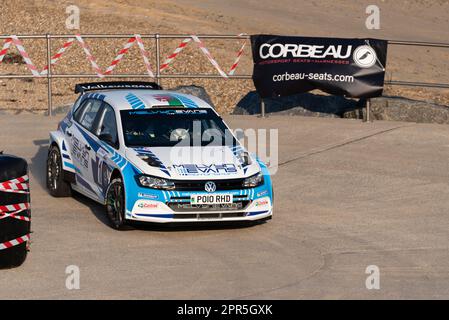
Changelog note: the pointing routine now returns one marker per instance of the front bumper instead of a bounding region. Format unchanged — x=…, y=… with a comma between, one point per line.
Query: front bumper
x=200, y=217
x=174, y=206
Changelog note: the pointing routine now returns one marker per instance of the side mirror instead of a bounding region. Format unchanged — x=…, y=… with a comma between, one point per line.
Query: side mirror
x=106, y=137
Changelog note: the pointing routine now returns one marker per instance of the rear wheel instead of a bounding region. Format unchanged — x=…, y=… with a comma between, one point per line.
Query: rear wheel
x=55, y=183
x=115, y=204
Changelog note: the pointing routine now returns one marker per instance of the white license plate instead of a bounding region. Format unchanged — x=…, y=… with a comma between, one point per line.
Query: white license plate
x=211, y=198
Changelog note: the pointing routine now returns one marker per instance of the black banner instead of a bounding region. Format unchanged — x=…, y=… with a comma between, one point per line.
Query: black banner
x=285, y=65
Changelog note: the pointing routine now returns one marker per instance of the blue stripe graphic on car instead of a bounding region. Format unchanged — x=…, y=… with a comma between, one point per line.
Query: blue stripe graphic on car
x=162, y=167
x=120, y=161
x=92, y=143
x=236, y=150
x=134, y=101
x=69, y=165
x=188, y=103
x=256, y=213
x=96, y=96
x=166, y=216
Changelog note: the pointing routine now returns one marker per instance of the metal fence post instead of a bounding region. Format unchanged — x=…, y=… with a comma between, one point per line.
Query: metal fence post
x=49, y=82
x=158, y=59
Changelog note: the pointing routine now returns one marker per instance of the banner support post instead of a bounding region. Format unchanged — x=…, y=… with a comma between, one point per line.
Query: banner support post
x=368, y=110
x=262, y=108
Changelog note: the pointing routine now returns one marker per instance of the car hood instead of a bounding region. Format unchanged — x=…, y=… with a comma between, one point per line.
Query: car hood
x=193, y=163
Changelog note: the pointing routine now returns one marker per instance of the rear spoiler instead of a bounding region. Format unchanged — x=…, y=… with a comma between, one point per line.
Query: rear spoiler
x=84, y=87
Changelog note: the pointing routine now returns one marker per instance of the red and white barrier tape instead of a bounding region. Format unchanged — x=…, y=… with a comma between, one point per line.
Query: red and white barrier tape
x=237, y=59
x=15, y=242
x=89, y=56
x=144, y=54
x=25, y=56
x=22, y=179
x=13, y=209
x=203, y=48
x=18, y=185
x=54, y=59
x=5, y=48
x=120, y=55
x=209, y=56
x=14, y=215
x=175, y=53
x=58, y=55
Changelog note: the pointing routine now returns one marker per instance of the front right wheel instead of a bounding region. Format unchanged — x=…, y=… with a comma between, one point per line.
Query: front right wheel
x=115, y=204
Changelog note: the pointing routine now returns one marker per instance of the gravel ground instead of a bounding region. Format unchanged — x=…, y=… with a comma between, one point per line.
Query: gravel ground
x=31, y=94
x=183, y=16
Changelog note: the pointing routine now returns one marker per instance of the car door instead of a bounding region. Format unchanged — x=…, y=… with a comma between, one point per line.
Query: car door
x=84, y=145
x=106, y=133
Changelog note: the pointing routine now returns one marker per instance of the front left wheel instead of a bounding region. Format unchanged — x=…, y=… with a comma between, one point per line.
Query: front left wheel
x=55, y=182
x=115, y=204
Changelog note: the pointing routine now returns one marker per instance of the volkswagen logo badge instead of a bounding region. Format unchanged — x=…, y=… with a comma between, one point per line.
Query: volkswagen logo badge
x=210, y=186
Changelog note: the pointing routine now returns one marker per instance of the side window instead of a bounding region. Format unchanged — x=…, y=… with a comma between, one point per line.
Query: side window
x=80, y=110
x=89, y=114
x=77, y=104
x=107, y=129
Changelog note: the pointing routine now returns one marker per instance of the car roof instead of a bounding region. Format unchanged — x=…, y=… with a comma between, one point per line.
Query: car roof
x=125, y=99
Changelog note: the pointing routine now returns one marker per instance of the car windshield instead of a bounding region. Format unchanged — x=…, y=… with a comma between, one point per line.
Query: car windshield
x=170, y=127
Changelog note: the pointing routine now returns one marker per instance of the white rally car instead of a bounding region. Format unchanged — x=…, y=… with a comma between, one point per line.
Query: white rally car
x=155, y=156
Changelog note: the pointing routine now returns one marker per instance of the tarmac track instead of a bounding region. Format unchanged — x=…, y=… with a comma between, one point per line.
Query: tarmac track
x=348, y=195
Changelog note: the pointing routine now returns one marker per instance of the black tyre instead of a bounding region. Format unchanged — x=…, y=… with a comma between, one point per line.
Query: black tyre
x=55, y=183
x=115, y=204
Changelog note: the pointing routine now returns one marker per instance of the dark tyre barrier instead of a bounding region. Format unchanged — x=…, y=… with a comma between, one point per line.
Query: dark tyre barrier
x=15, y=213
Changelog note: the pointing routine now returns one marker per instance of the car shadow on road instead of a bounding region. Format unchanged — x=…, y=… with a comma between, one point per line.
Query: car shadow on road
x=194, y=226
x=38, y=169
x=99, y=211
x=38, y=166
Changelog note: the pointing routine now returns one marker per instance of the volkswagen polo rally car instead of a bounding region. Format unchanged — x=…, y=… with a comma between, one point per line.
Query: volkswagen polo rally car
x=155, y=156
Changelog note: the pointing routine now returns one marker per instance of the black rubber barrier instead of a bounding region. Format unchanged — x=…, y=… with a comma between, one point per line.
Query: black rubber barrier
x=12, y=167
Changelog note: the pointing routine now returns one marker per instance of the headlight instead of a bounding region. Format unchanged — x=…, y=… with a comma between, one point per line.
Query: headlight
x=253, y=181
x=155, y=183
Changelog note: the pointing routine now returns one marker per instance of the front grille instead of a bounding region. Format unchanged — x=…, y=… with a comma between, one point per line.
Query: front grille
x=205, y=216
x=187, y=207
x=198, y=185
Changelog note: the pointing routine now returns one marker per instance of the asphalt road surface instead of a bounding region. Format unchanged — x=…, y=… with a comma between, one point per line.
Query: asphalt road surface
x=348, y=195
